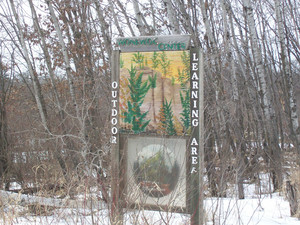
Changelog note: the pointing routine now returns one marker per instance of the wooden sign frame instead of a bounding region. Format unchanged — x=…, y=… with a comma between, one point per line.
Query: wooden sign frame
x=195, y=146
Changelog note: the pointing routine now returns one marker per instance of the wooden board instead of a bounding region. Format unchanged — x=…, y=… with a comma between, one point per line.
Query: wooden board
x=154, y=43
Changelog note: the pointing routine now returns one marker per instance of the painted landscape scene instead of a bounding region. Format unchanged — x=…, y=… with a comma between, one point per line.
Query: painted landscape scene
x=154, y=92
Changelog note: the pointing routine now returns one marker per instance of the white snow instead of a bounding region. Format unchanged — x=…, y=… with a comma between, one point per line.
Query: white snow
x=261, y=209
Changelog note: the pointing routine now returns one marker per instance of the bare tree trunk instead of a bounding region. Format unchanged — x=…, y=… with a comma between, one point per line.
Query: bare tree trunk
x=210, y=159
x=187, y=23
x=173, y=21
x=5, y=85
x=36, y=84
x=80, y=118
x=294, y=122
x=209, y=33
x=153, y=17
x=65, y=56
x=52, y=79
x=116, y=20
x=222, y=120
x=238, y=144
x=293, y=197
x=270, y=134
x=123, y=10
x=104, y=29
x=47, y=57
x=37, y=88
x=142, y=24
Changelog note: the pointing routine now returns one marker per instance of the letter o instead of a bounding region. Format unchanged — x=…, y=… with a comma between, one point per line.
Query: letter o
x=114, y=130
x=114, y=84
x=114, y=121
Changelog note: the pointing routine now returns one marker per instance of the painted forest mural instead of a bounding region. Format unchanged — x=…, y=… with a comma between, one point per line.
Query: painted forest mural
x=154, y=92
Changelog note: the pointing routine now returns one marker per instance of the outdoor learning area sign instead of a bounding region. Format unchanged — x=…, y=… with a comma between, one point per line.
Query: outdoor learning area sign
x=155, y=122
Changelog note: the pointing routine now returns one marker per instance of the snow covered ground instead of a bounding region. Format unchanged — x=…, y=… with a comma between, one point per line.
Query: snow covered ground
x=262, y=209
x=268, y=210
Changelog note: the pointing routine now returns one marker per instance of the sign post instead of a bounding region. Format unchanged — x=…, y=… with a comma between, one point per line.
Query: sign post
x=196, y=143
x=201, y=138
x=116, y=214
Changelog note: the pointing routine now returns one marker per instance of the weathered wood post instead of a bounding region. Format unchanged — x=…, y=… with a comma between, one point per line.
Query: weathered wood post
x=201, y=138
x=196, y=143
x=116, y=216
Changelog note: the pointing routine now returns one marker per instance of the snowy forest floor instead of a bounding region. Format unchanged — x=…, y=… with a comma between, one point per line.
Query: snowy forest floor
x=263, y=209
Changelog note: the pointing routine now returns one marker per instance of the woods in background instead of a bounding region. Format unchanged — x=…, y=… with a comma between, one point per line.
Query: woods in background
x=55, y=85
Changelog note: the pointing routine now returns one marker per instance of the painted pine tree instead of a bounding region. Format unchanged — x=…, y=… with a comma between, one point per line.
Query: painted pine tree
x=173, y=89
x=139, y=59
x=155, y=64
x=165, y=66
x=169, y=118
x=155, y=60
x=185, y=114
x=166, y=119
x=138, y=91
x=184, y=77
x=152, y=80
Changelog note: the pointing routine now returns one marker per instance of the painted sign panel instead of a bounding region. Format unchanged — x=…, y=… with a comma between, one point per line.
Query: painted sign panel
x=156, y=171
x=155, y=92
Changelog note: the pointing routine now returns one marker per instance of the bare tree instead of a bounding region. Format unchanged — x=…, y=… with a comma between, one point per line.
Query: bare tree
x=36, y=84
x=271, y=135
x=286, y=71
x=6, y=81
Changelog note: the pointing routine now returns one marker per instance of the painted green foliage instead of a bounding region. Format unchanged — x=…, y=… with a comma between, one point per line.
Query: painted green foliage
x=184, y=77
x=139, y=58
x=185, y=57
x=121, y=63
x=168, y=121
x=169, y=118
x=152, y=81
x=138, y=90
x=149, y=168
x=155, y=60
x=164, y=62
x=185, y=114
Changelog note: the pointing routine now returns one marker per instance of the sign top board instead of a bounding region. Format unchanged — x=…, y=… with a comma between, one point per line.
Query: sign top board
x=154, y=43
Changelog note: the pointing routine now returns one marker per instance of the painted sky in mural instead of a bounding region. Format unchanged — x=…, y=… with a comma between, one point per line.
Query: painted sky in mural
x=154, y=92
